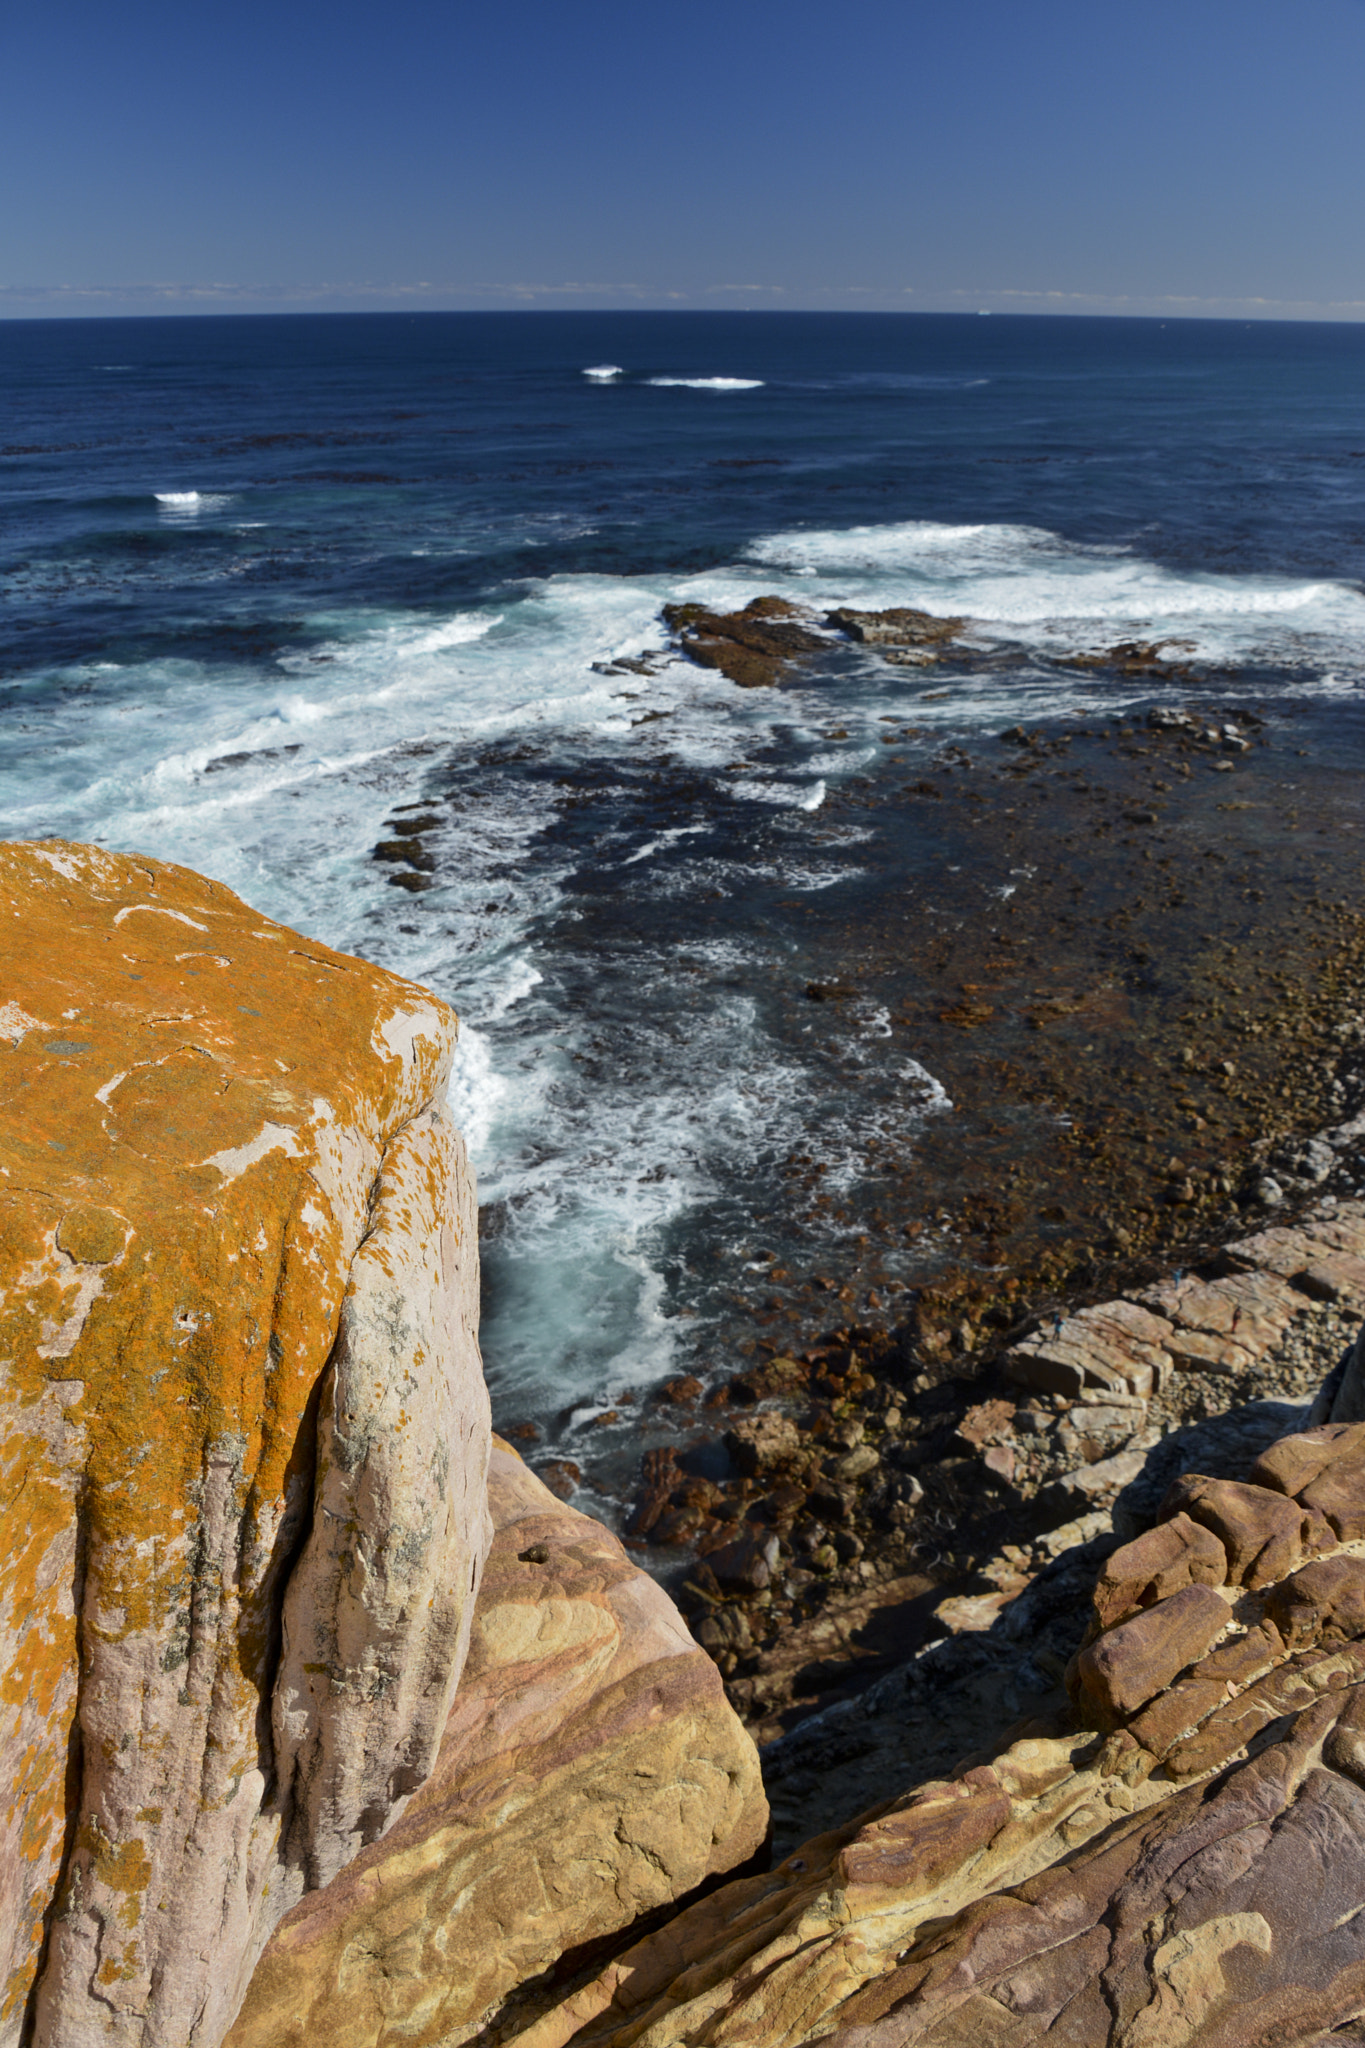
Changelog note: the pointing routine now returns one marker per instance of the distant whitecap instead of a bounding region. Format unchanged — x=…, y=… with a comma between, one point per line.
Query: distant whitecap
x=604, y=372
x=192, y=501
x=710, y=383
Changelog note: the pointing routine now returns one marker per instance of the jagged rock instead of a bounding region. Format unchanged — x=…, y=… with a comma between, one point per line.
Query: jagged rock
x=1192, y=1880
x=591, y=1771
x=238, y=1298
x=752, y=647
x=1117, y=1346
x=899, y=626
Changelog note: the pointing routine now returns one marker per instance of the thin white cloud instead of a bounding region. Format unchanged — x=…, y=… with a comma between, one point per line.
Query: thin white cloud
x=154, y=296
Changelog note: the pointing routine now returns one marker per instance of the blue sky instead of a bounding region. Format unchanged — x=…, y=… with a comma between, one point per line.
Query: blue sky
x=1204, y=157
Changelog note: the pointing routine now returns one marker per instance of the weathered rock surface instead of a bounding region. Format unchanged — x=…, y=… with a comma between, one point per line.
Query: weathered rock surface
x=244, y=1437
x=591, y=1771
x=1190, y=1878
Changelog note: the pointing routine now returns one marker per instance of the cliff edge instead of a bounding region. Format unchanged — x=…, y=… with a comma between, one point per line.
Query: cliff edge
x=244, y=1434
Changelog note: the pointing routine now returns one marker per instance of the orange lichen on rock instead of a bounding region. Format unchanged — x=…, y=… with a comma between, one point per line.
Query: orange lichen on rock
x=205, y=1117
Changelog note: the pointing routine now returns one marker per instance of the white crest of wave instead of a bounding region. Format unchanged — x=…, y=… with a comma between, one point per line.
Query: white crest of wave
x=603, y=373
x=192, y=501
x=1028, y=583
x=794, y=796
x=708, y=383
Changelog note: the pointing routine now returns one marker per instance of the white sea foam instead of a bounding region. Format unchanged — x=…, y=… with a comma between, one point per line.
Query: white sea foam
x=597, y=1163
x=603, y=373
x=1024, y=583
x=801, y=796
x=190, y=502
x=708, y=383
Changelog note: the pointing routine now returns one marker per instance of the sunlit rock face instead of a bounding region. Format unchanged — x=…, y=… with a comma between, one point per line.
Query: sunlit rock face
x=243, y=1433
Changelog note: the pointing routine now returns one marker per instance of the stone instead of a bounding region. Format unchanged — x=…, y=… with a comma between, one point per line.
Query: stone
x=238, y=1297
x=747, y=1564
x=1174, y=1554
x=1324, y=1602
x=1296, y=1461
x=1264, y=1535
x=1117, y=1346
x=591, y=1771
x=763, y=1442
x=1252, y=1310
x=1128, y=1665
x=929, y=1838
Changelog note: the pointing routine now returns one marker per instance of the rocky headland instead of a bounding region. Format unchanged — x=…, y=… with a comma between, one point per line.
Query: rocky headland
x=249, y=1528
x=326, y=1715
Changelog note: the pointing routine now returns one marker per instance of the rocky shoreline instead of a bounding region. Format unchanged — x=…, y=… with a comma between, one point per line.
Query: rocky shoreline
x=327, y=1715
x=1153, y=1045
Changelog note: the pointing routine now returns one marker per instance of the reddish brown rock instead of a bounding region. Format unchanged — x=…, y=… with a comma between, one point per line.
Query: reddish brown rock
x=1325, y=1602
x=1324, y=1469
x=1174, y=1554
x=930, y=1838
x=1264, y=1535
x=238, y=1300
x=1295, y=1461
x=752, y=647
x=1127, y=1666
x=591, y=1770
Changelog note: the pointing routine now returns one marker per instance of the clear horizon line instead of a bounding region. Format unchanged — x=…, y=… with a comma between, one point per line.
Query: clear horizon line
x=397, y=296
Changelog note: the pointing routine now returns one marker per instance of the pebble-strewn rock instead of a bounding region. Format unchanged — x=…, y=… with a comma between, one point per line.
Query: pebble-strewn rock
x=1176, y=1862
x=244, y=1433
x=591, y=1771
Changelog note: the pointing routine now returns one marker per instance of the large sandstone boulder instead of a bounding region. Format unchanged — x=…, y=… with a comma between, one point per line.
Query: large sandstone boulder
x=1183, y=1866
x=591, y=1771
x=242, y=1460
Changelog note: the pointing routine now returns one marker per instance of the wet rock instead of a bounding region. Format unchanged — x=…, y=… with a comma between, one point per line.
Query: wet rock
x=900, y=626
x=752, y=647
x=561, y=1475
x=747, y=1564
x=682, y=1392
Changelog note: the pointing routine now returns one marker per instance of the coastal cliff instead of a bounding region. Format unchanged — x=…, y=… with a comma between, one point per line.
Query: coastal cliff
x=245, y=1503
x=245, y=1433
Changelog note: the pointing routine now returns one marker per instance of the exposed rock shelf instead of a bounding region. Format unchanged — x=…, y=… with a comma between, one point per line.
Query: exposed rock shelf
x=1177, y=1860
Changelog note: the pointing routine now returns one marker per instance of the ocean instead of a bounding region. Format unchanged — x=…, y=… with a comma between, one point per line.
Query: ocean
x=361, y=615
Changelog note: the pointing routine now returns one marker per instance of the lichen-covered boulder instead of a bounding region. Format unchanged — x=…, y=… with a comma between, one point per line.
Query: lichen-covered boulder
x=592, y=1771
x=243, y=1433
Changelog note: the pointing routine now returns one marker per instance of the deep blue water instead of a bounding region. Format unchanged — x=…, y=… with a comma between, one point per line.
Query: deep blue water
x=266, y=581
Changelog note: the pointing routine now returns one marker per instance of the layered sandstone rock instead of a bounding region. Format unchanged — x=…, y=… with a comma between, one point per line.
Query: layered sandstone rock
x=590, y=1772
x=1182, y=1868
x=244, y=1433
